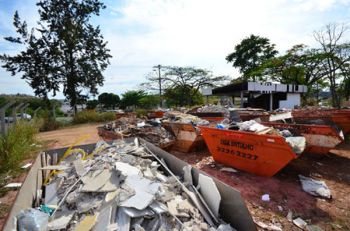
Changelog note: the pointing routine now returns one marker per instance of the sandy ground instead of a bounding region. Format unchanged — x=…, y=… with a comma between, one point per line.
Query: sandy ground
x=284, y=188
x=83, y=134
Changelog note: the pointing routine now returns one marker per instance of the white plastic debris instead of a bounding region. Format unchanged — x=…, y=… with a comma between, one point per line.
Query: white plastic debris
x=140, y=125
x=13, y=185
x=251, y=126
x=265, y=197
x=26, y=166
x=32, y=219
x=271, y=227
x=315, y=187
x=300, y=223
x=227, y=169
x=297, y=143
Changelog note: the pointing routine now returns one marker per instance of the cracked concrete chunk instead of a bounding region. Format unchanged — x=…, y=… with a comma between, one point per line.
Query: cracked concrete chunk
x=87, y=223
x=210, y=193
x=105, y=181
x=60, y=222
x=103, y=218
x=300, y=223
x=144, y=192
x=123, y=220
x=127, y=169
x=51, y=193
x=188, y=174
x=79, y=167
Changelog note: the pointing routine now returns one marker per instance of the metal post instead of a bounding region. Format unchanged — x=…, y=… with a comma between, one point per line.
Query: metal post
x=54, y=111
x=2, y=116
x=14, y=112
x=36, y=111
x=22, y=110
x=271, y=101
x=241, y=99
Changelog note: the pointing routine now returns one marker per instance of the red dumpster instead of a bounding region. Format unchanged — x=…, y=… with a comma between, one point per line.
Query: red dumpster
x=263, y=155
x=339, y=117
x=319, y=138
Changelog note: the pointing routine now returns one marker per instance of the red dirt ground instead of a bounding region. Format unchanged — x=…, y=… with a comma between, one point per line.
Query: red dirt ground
x=285, y=189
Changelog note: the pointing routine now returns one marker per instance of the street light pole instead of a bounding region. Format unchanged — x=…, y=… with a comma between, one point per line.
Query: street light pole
x=160, y=87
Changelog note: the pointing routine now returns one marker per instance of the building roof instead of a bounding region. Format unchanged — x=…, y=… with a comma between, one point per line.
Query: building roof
x=235, y=89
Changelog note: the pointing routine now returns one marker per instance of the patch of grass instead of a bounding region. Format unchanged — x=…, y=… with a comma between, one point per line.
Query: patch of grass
x=88, y=116
x=141, y=112
x=4, y=209
x=17, y=145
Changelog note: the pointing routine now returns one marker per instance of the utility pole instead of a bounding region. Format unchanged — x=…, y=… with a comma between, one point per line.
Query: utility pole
x=160, y=87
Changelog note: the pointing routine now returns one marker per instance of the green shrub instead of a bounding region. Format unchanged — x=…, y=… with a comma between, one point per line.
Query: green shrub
x=88, y=116
x=18, y=144
x=141, y=112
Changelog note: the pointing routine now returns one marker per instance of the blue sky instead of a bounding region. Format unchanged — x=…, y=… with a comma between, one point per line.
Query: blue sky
x=144, y=33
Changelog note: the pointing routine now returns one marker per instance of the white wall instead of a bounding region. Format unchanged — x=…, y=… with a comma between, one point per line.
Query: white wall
x=293, y=99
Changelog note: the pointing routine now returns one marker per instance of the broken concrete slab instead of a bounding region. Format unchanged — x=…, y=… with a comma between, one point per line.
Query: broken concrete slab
x=127, y=169
x=210, y=193
x=123, y=220
x=51, y=193
x=79, y=167
x=61, y=222
x=95, y=183
x=87, y=223
x=188, y=174
x=103, y=218
x=144, y=192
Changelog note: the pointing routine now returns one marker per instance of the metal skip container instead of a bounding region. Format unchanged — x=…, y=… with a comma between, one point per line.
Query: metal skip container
x=262, y=155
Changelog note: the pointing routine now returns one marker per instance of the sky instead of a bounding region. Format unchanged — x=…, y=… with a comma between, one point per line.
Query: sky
x=199, y=33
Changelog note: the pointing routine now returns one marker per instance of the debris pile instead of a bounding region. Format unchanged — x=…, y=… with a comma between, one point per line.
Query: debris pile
x=179, y=117
x=132, y=127
x=123, y=186
x=298, y=143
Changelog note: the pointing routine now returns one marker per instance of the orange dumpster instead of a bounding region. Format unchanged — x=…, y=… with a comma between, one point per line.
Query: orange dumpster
x=319, y=138
x=188, y=138
x=263, y=155
x=339, y=117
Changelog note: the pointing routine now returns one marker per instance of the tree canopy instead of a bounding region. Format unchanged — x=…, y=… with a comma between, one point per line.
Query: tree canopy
x=64, y=50
x=109, y=100
x=250, y=53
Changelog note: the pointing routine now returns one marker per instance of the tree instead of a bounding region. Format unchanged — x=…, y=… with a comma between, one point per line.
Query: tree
x=187, y=81
x=92, y=104
x=250, y=53
x=300, y=65
x=182, y=96
x=109, y=100
x=149, y=101
x=63, y=50
x=337, y=55
x=132, y=98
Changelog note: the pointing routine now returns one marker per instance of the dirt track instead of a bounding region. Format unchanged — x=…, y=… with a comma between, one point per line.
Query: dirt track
x=65, y=137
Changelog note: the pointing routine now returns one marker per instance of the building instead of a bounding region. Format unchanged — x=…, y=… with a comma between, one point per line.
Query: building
x=269, y=96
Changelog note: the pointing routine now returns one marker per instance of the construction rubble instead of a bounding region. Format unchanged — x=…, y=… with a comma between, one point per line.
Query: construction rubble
x=150, y=130
x=179, y=117
x=122, y=186
x=297, y=143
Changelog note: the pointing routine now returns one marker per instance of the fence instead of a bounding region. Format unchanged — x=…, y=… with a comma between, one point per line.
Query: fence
x=7, y=121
